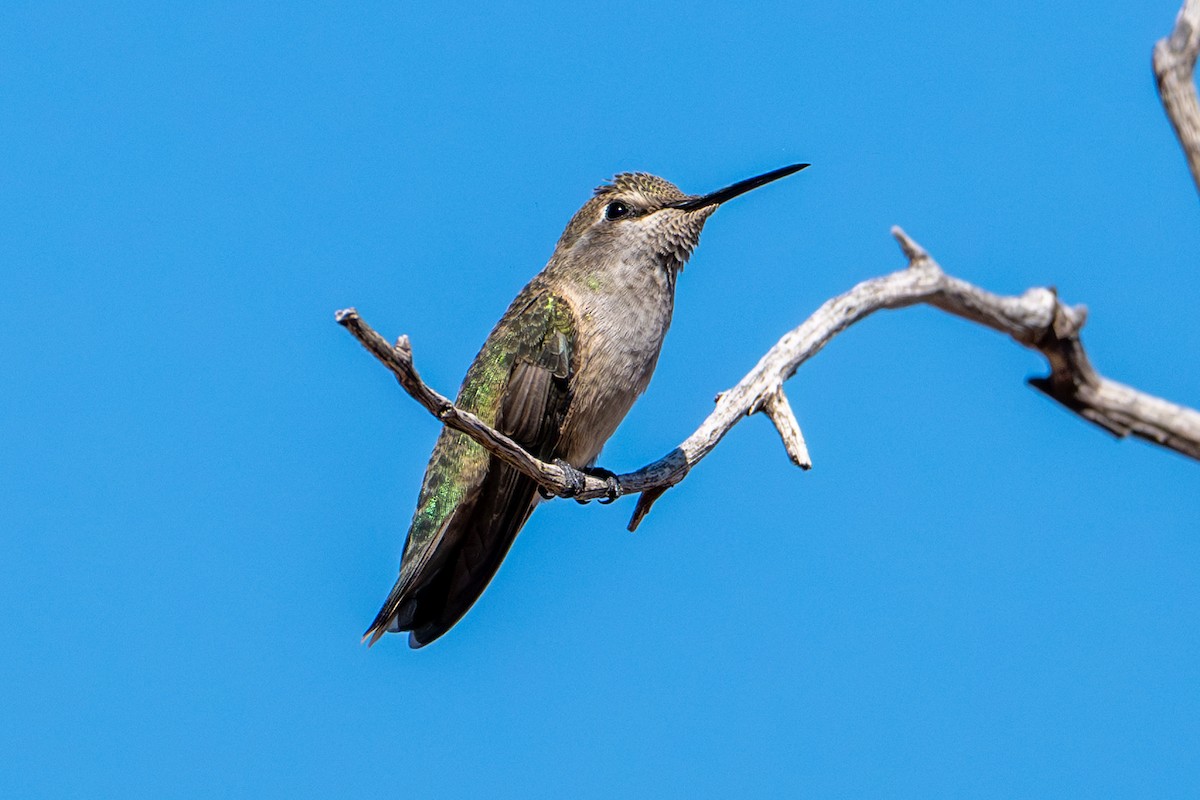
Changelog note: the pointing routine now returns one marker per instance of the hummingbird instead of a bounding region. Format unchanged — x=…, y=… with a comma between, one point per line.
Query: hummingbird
x=557, y=374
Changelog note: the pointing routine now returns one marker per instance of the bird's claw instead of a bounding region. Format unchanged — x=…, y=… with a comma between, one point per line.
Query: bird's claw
x=577, y=482
x=575, y=479
x=610, y=481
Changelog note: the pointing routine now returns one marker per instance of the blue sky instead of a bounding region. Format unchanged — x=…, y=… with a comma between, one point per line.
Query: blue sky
x=207, y=482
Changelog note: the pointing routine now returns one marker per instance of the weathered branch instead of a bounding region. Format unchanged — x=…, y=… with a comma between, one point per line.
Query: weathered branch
x=1174, y=65
x=1035, y=319
x=399, y=360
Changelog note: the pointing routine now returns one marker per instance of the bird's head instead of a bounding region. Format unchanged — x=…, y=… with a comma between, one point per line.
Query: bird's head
x=642, y=218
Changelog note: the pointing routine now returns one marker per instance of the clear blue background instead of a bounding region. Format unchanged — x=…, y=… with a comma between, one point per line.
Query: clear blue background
x=206, y=482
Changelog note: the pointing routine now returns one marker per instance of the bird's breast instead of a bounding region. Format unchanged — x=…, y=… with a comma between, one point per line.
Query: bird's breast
x=621, y=324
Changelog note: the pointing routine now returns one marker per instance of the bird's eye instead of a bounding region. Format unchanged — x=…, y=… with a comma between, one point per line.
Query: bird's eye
x=616, y=210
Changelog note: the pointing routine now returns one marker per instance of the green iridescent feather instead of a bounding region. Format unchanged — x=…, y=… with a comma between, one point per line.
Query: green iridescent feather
x=538, y=330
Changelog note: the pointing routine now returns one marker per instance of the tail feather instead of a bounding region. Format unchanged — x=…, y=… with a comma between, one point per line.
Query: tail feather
x=433, y=599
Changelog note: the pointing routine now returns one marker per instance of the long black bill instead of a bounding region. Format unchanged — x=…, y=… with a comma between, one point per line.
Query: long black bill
x=730, y=192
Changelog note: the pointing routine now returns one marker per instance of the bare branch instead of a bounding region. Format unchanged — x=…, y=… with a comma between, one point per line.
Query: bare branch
x=1035, y=319
x=1174, y=65
x=1039, y=321
x=399, y=360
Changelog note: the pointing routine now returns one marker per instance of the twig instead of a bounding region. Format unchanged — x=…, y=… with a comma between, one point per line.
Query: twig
x=399, y=360
x=1035, y=319
x=1174, y=65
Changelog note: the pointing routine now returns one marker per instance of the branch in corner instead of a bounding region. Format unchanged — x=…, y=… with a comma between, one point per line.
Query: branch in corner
x=1174, y=65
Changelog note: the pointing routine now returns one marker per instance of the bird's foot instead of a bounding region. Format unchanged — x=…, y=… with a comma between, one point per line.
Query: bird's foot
x=577, y=482
x=610, y=480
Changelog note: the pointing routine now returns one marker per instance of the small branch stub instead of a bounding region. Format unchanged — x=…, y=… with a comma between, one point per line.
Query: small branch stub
x=776, y=406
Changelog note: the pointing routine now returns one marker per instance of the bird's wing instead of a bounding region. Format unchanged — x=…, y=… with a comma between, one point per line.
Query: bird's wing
x=471, y=504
